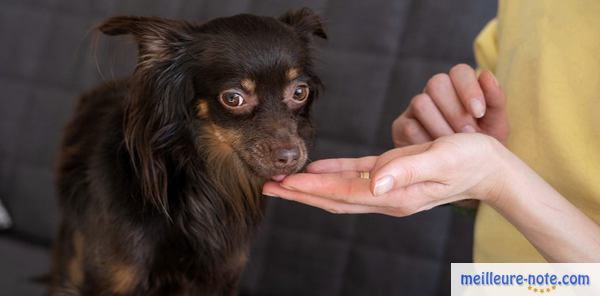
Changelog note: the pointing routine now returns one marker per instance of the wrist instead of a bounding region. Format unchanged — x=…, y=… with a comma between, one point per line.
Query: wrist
x=495, y=184
x=514, y=179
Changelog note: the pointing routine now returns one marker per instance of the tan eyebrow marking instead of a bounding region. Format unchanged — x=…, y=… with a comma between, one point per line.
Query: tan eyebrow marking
x=203, y=109
x=249, y=85
x=293, y=73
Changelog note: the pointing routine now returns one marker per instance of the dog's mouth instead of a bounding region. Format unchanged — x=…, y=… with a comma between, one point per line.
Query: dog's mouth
x=275, y=164
x=278, y=178
x=275, y=173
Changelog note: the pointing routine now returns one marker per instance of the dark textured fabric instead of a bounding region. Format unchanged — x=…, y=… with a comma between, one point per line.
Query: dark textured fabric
x=20, y=264
x=380, y=53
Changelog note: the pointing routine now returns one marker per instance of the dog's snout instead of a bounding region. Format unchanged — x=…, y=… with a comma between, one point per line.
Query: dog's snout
x=286, y=157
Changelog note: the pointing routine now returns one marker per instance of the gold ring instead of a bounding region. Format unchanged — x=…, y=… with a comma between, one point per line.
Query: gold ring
x=365, y=175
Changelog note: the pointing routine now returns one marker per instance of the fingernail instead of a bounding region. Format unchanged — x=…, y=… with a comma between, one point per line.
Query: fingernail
x=477, y=108
x=383, y=185
x=269, y=194
x=468, y=129
x=495, y=80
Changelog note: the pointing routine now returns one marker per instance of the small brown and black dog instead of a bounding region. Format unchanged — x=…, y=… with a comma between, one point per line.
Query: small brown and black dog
x=160, y=174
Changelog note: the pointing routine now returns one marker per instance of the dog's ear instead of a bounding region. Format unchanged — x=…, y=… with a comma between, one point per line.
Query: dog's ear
x=156, y=37
x=159, y=92
x=305, y=21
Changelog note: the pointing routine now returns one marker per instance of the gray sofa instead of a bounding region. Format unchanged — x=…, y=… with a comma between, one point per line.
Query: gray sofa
x=380, y=53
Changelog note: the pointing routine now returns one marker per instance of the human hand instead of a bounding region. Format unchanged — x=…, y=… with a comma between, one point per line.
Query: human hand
x=451, y=103
x=403, y=180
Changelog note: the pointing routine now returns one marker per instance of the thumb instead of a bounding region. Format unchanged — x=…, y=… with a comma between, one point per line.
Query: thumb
x=404, y=171
x=494, y=123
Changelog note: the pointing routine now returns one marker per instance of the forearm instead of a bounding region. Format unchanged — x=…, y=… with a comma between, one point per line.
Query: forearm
x=560, y=231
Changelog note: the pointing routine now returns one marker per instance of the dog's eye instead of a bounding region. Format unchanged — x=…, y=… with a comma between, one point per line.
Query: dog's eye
x=231, y=99
x=301, y=92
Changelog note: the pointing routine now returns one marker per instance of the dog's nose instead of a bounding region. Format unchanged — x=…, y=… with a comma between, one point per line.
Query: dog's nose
x=287, y=156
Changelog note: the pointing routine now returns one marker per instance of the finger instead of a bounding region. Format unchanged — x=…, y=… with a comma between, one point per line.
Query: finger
x=430, y=117
x=494, y=122
x=336, y=187
x=404, y=171
x=399, y=152
x=332, y=206
x=467, y=87
x=444, y=95
x=408, y=131
x=342, y=164
x=332, y=186
x=491, y=89
x=344, y=174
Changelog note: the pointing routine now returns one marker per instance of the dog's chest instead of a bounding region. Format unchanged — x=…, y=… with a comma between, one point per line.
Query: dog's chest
x=185, y=265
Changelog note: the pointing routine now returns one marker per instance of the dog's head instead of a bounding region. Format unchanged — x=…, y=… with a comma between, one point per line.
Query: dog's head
x=243, y=83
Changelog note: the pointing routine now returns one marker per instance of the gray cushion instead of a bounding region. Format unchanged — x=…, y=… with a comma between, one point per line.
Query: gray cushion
x=20, y=264
x=5, y=220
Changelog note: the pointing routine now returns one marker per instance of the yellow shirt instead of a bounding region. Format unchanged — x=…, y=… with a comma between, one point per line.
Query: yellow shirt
x=546, y=56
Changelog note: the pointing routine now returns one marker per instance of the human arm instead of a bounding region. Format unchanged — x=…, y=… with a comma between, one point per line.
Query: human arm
x=557, y=229
x=452, y=168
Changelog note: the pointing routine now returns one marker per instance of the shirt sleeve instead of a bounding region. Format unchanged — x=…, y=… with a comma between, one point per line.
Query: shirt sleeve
x=486, y=47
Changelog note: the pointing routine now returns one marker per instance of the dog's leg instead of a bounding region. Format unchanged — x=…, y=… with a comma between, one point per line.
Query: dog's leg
x=67, y=273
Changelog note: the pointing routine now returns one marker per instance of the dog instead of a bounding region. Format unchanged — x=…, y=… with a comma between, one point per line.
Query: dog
x=160, y=174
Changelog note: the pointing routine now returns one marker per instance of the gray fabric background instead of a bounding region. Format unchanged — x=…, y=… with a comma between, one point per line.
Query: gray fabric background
x=380, y=53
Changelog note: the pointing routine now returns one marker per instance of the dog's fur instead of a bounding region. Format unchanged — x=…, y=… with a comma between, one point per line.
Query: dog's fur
x=160, y=174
